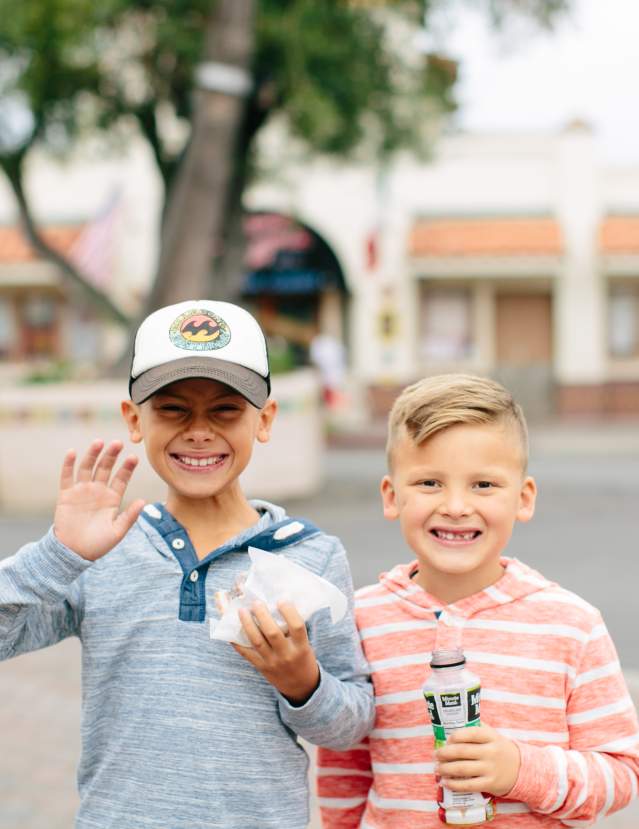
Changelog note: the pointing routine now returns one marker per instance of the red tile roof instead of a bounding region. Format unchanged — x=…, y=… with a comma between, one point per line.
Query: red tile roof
x=485, y=237
x=14, y=247
x=619, y=234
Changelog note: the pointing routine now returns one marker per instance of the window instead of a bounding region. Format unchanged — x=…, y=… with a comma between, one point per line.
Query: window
x=39, y=326
x=446, y=327
x=623, y=321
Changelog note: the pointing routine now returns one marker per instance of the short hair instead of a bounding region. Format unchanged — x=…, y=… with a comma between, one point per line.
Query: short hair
x=435, y=403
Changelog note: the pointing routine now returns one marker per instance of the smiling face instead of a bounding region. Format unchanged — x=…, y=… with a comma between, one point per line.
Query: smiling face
x=198, y=436
x=457, y=496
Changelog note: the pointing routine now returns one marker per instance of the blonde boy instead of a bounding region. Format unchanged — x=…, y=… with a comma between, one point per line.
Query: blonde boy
x=179, y=731
x=559, y=742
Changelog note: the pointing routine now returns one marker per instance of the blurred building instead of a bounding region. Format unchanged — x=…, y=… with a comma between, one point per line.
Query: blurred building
x=510, y=255
x=99, y=210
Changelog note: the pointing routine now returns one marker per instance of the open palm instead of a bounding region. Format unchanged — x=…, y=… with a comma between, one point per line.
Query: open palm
x=87, y=515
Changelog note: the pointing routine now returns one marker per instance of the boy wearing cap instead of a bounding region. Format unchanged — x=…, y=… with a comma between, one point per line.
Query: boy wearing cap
x=181, y=731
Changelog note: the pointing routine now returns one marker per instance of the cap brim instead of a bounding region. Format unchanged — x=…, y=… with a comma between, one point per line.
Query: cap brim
x=248, y=383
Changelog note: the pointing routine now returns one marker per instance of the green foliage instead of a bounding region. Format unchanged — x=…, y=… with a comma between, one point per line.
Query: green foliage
x=48, y=61
x=330, y=65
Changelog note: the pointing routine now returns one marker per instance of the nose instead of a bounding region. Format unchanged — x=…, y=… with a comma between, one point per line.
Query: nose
x=199, y=430
x=455, y=504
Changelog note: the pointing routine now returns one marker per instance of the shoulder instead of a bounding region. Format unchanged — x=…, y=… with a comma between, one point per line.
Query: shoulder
x=375, y=605
x=319, y=551
x=554, y=604
x=300, y=540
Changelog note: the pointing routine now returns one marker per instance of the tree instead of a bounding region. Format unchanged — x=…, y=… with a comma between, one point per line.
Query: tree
x=46, y=73
x=328, y=66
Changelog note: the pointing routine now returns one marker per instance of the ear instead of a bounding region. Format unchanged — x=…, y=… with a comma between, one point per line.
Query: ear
x=131, y=414
x=266, y=418
x=389, y=498
x=527, y=498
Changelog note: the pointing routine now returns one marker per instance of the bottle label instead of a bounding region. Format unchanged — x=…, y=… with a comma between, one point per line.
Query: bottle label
x=451, y=710
x=448, y=711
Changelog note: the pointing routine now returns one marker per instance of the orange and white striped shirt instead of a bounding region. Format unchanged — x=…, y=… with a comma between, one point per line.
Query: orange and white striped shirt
x=551, y=681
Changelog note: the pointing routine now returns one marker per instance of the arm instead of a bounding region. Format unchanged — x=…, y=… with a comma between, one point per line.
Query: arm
x=343, y=781
x=36, y=608
x=341, y=710
x=38, y=597
x=598, y=774
x=325, y=694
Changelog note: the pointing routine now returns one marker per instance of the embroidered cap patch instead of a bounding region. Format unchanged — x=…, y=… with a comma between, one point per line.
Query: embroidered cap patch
x=199, y=330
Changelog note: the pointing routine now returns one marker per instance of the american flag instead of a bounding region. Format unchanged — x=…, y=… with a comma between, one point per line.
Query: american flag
x=93, y=252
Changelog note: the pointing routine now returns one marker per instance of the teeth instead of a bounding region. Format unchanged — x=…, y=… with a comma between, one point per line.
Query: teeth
x=446, y=536
x=198, y=461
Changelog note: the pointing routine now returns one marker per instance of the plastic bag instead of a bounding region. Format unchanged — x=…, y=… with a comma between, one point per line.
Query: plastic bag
x=271, y=579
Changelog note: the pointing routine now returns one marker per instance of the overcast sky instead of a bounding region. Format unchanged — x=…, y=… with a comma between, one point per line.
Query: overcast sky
x=587, y=68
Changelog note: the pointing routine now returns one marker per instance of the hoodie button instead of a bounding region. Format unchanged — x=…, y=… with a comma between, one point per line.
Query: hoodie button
x=194, y=575
x=177, y=543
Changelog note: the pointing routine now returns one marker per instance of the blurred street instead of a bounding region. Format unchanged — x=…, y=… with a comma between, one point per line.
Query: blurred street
x=582, y=535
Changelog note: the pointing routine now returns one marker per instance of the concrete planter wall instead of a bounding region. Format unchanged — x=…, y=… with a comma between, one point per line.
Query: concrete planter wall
x=39, y=423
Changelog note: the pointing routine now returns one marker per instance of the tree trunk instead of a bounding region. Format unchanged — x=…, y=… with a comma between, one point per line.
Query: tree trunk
x=200, y=194
x=229, y=264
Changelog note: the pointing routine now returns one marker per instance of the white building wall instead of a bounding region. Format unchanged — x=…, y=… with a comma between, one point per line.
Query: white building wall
x=471, y=174
x=620, y=190
x=580, y=308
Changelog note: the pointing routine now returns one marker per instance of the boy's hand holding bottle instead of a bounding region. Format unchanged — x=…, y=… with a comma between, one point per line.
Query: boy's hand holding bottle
x=478, y=759
x=87, y=516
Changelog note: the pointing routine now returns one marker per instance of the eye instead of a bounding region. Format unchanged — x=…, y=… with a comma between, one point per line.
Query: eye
x=484, y=485
x=172, y=408
x=429, y=483
x=227, y=409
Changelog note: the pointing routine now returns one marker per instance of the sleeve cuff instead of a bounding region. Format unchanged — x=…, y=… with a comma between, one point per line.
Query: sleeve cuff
x=309, y=708
x=536, y=783
x=56, y=564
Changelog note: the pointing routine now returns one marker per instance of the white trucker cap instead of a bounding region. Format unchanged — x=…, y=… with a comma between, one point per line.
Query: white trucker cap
x=200, y=338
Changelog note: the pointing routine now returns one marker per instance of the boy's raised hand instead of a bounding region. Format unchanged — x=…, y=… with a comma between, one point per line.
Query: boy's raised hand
x=478, y=759
x=287, y=661
x=87, y=515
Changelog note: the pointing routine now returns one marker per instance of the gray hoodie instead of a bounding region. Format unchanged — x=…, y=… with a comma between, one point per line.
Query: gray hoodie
x=178, y=730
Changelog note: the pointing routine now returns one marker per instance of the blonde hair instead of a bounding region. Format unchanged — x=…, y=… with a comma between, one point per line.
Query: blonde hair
x=435, y=403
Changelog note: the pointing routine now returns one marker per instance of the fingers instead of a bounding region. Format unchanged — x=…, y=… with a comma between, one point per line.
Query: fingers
x=85, y=469
x=66, y=474
x=295, y=623
x=123, y=475
x=97, y=467
x=107, y=461
x=456, y=752
x=471, y=734
x=249, y=654
x=252, y=631
x=462, y=769
x=470, y=784
x=127, y=519
x=264, y=633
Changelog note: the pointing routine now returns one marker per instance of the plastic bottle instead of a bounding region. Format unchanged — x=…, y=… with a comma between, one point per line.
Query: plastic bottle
x=452, y=697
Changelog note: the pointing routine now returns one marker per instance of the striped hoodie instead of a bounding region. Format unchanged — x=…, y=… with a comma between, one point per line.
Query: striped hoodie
x=551, y=681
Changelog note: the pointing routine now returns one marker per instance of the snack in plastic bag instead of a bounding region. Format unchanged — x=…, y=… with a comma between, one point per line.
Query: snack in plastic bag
x=273, y=578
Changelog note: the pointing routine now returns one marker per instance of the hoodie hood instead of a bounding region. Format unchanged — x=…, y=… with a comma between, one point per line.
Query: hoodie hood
x=517, y=581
